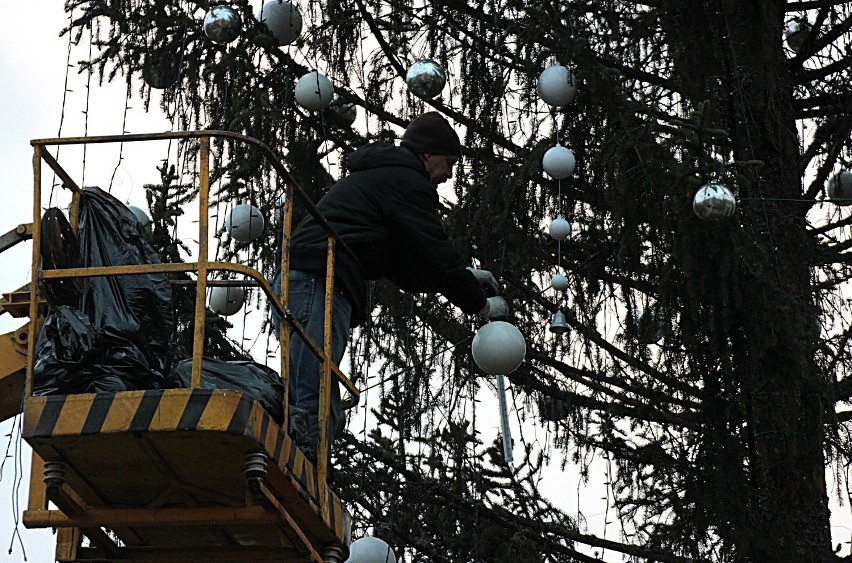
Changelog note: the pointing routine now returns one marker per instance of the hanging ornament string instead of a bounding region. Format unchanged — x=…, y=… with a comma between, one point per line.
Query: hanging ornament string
x=88, y=97
x=65, y=90
x=15, y=437
x=742, y=116
x=124, y=131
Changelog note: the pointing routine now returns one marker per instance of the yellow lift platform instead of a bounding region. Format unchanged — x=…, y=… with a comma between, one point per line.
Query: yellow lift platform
x=172, y=474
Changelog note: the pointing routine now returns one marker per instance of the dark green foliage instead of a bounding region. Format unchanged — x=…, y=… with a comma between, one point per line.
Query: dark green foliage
x=692, y=362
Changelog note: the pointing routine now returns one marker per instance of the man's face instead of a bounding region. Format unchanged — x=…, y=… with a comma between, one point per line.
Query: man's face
x=439, y=167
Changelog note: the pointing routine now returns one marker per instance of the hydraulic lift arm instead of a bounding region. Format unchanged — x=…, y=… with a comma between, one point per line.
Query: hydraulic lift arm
x=13, y=345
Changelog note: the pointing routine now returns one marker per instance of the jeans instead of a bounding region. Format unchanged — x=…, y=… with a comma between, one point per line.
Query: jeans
x=307, y=303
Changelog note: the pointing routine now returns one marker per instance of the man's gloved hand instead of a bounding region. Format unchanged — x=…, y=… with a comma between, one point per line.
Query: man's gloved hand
x=496, y=308
x=486, y=279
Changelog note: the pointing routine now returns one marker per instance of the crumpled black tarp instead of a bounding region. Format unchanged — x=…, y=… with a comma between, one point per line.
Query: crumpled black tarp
x=255, y=380
x=112, y=333
x=116, y=336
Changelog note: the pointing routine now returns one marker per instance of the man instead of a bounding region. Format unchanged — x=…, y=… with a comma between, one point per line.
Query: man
x=386, y=211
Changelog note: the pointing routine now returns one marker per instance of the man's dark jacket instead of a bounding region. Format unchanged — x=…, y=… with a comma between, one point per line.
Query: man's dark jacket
x=386, y=211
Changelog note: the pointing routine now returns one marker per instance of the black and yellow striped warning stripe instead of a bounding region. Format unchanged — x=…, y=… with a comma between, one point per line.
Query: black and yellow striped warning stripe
x=160, y=410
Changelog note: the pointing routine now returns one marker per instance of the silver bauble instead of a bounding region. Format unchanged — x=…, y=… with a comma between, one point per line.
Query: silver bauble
x=245, y=222
x=425, y=79
x=283, y=18
x=498, y=348
x=370, y=549
x=839, y=188
x=222, y=24
x=314, y=91
x=714, y=202
x=796, y=32
x=347, y=112
x=556, y=85
x=560, y=228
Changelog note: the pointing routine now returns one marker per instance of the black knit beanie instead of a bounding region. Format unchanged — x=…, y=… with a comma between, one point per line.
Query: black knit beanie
x=432, y=134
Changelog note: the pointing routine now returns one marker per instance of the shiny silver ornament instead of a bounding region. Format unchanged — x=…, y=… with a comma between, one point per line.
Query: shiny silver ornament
x=714, y=202
x=425, y=79
x=796, y=34
x=347, y=112
x=839, y=188
x=222, y=24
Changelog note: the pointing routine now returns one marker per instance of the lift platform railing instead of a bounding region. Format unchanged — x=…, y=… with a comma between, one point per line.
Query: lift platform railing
x=203, y=266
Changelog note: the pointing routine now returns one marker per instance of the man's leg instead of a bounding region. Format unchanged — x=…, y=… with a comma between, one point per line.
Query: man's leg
x=307, y=303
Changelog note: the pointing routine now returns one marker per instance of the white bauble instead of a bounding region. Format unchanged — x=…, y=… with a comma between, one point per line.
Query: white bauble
x=245, y=222
x=140, y=214
x=840, y=188
x=560, y=228
x=283, y=19
x=556, y=85
x=370, y=550
x=226, y=300
x=559, y=282
x=559, y=162
x=314, y=91
x=498, y=348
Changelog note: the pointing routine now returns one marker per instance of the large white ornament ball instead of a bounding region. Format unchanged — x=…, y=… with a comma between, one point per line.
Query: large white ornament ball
x=556, y=85
x=559, y=282
x=222, y=24
x=314, y=91
x=140, y=215
x=425, y=79
x=840, y=188
x=714, y=201
x=283, y=18
x=226, y=300
x=498, y=348
x=560, y=228
x=245, y=222
x=559, y=162
x=796, y=32
x=370, y=550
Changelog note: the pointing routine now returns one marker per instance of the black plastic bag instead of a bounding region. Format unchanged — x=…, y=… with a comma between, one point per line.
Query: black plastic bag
x=256, y=381
x=125, y=343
